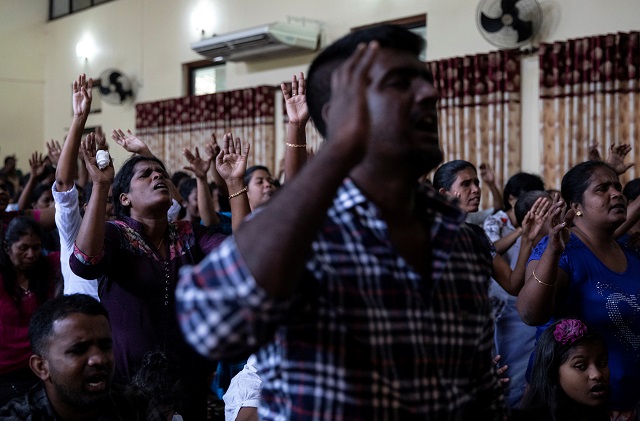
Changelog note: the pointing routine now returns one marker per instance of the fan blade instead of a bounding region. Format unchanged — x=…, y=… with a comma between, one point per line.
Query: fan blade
x=490, y=24
x=114, y=76
x=508, y=6
x=124, y=95
x=105, y=90
x=524, y=28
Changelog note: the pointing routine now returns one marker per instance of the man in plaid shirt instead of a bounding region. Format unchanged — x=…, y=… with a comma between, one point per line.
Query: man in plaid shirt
x=362, y=294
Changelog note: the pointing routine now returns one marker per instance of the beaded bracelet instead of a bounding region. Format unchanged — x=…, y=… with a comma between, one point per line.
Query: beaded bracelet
x=293, y=145
x=543, y=283
x=238, y=193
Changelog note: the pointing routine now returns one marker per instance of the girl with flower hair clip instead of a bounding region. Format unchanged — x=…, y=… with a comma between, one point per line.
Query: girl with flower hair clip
x=570, y=378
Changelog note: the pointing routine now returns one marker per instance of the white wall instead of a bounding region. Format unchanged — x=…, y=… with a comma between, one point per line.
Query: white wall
x=22, y=79
x=149, y=40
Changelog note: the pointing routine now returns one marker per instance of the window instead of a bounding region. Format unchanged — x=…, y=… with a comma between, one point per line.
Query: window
x=204, y=77
x=60, y=8
x=416, y=24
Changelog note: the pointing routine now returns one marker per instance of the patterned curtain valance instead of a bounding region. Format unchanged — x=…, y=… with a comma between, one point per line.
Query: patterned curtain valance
x=169, y=126
x=479, y=111
x=589, y=93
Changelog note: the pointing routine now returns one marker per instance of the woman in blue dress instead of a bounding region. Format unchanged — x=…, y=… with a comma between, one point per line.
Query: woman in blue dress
x=581, y=271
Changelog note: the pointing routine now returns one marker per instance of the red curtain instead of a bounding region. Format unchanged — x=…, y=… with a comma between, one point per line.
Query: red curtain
x=170, y=125
x=589, y=92
x=479, y=111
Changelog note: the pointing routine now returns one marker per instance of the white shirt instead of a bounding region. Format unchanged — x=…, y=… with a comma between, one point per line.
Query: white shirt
x=68, y=222
x=244, y=390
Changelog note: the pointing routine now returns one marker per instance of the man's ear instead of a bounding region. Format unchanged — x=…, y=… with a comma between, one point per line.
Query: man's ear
x=39, y=366
x=442, y=191
x=325, y=111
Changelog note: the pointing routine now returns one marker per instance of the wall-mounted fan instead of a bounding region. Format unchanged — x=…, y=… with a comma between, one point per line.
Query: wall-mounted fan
x=509, y=23
x=115, y=87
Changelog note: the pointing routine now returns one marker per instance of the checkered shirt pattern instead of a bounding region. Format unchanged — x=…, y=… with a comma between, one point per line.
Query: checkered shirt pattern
x=365, y=337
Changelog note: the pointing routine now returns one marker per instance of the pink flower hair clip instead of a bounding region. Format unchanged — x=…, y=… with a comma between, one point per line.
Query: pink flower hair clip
x=570, y=330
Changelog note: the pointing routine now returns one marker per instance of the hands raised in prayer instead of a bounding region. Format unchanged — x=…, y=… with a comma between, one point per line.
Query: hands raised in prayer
x=53, y=151
x=486, y=174
x=130, y=143
x=559, y=223
x=88, y=150
x=295, y=100
x=197, y=165
x=536, y=219
x=82, y=96
x=617, y=154
x=231, y=162
x=37, y=165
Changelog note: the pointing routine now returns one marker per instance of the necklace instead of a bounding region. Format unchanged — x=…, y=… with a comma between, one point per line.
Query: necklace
x=160, y=243
x=26, y=291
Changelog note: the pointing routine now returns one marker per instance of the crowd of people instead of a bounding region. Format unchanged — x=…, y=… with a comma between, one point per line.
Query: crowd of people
x=358, y=287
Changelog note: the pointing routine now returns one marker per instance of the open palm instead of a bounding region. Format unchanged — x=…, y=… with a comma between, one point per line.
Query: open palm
x=197, y=165
x=231, y=162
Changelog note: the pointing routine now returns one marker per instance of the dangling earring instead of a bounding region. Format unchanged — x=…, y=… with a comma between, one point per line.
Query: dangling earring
x=578, y=213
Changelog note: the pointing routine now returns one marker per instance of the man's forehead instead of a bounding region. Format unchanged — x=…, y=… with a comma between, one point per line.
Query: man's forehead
x=391, y=59
x=76, y=326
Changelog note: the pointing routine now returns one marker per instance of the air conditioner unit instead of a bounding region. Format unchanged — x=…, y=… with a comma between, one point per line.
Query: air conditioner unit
x=266, y=41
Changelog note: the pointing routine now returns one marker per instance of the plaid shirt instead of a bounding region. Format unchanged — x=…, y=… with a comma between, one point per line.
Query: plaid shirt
x=365, y=337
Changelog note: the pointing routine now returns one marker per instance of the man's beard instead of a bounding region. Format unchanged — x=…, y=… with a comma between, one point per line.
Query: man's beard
x=81, y=399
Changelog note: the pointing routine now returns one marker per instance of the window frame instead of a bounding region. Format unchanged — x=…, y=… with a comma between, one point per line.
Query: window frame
x=70, y=9
x=188, y=73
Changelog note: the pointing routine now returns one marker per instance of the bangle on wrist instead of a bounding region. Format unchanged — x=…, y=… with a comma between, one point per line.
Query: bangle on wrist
x=238, y=193
x=540, y=282
x=294, y=145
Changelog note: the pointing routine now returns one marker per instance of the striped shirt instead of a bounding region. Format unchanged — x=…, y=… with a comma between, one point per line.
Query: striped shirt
x=365, y=337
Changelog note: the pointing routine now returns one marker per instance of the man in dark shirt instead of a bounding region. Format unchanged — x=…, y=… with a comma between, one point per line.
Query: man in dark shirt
x=73, y=356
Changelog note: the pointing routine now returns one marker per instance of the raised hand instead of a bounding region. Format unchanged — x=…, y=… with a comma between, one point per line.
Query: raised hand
x=197, y=165
x=536, y=218
x=486, y=174
x=88, y=149
x=37, y=165
x=130, y=143
x=594, y=153
x=53, y=151
x=295, y=100
x=559, y=223
x=231, y=162
x=101, y=139
x=348, y=115
x=212, y=148
x=617, y=154
x=81, y=102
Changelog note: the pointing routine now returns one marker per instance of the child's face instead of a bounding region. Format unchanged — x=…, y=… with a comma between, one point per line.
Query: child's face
x=584, y=377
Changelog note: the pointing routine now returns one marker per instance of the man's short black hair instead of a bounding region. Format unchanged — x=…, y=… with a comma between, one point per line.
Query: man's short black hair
x=41, y=325
x=319, y=74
